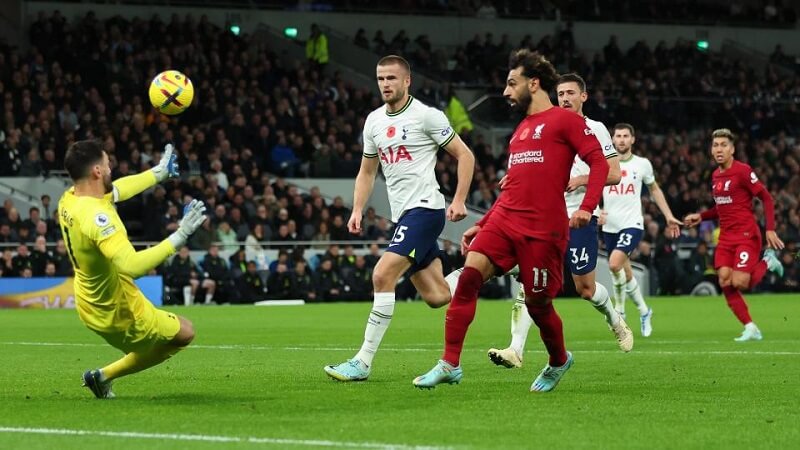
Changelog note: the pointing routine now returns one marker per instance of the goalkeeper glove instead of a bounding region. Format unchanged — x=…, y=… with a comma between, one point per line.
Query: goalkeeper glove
x=193, y=217
x=168, y=166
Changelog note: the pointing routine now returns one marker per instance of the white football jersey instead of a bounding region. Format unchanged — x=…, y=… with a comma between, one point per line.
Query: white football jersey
x=406, y=143
x=579, y=168
x=623, y=202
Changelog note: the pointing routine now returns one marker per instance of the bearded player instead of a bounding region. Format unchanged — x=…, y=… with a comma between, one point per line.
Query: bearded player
x=736, y=257
x=526, y=229
x=583, y=244
x=106, y=298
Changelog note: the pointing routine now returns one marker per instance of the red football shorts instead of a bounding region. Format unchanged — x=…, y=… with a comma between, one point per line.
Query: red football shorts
x=739, y=256
x=541, y=262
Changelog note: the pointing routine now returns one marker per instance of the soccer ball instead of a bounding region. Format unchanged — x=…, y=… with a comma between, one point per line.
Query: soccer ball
x=171, y=92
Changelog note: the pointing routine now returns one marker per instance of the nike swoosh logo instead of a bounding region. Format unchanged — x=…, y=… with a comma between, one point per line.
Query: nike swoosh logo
x=582, y=267
x=536, y=291
x=392, y=245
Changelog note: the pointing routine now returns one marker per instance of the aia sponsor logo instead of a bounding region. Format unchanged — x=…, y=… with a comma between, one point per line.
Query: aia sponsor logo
x=622, y=189
x=393, y=156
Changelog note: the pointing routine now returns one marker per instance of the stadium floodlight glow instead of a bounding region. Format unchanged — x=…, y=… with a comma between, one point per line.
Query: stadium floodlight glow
x=290, y=32
x=702, y=45
x=235, y=29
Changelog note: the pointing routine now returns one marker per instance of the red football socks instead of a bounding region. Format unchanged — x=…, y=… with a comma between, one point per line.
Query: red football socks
x=758, y=273
x=460, y=314
x=737, y=304
x=551, y=330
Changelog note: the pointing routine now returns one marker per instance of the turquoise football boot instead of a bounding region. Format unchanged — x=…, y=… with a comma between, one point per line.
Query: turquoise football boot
x=350, y=370
x=442, y=372
x=550, y=376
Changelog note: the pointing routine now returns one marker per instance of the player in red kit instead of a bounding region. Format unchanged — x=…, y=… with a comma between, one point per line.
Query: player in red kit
x=528, y=224
x=736, y=257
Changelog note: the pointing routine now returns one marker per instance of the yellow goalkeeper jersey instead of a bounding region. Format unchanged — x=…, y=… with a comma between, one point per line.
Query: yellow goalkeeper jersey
x=104, y=260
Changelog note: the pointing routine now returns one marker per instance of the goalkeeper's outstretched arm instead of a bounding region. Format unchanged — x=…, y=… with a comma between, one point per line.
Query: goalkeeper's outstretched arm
x=130, y=186
x=135, y=264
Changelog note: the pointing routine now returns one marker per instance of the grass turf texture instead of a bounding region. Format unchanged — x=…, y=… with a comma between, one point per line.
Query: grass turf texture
x=257, y=372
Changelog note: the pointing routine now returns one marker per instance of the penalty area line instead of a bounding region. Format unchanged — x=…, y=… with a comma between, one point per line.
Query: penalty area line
x=212, y=438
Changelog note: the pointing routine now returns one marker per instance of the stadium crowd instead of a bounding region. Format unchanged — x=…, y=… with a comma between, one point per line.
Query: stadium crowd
x=258, y=118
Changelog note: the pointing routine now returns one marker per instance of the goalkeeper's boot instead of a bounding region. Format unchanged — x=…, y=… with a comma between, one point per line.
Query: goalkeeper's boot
x=507, y=357
x=100, y=389
x=350, y=370
x=550, y=376
x=442, y=372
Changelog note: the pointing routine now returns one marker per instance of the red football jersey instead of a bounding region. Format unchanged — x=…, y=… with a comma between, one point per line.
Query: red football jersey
x=734, y=190
x=540, y=157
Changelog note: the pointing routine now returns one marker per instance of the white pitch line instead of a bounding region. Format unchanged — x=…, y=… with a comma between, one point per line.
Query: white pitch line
x=415, y=349
x=212, y=438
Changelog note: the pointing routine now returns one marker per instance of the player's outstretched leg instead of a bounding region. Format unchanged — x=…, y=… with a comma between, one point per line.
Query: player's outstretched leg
x=602, y=303
x=521, y=322
x=388, y=270
x=358, y=367
x=99, y=380
x=551, y=331
x=95, y=381
x=550, y=376
x=773, y=263
x=460, y=314
x=739, y=307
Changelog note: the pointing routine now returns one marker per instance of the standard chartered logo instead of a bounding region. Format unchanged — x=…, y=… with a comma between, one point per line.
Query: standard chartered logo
x=527, y=157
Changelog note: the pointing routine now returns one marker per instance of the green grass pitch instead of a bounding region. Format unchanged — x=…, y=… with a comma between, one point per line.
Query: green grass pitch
x=253, y=379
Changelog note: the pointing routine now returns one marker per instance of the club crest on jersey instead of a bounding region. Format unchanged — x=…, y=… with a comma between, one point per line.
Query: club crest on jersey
x=390, y=132
x=101, y=220
x=392, y=156
x=537, y=132
x=405, y=131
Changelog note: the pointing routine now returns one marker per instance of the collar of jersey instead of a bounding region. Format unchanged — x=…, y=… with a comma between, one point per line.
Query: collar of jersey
x=405, y=107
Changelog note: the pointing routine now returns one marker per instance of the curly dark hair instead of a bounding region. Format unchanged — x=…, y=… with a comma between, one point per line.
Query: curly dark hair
x=534, y=65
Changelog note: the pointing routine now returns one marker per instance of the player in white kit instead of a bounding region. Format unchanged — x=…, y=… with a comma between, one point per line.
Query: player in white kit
x=624, y=223
x=403, y=136
x=583, y=243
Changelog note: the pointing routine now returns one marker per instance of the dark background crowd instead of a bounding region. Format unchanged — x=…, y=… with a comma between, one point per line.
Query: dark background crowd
x=258, y=118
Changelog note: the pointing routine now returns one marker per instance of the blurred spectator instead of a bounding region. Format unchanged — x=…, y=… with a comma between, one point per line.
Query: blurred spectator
x=357, y=281
x=317, y=48
x=21, y=261
x=303, y=282
x=39, y=257
x=251, y=285
x=279, y=283
x=181, y=275
x=61, y=259
x=327, y=282
x=216, y=269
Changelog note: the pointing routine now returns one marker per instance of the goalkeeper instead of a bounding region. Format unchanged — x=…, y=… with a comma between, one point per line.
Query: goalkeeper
x=107, y=300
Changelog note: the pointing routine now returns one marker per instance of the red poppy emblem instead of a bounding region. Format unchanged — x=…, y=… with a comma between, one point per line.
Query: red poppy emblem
x=390, y=132
x=524, y=134
x=624, y=173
